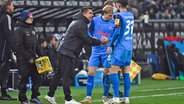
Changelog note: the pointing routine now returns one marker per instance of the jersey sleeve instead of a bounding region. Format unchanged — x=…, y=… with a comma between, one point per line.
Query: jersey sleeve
x=91, y=28
x=116, y=30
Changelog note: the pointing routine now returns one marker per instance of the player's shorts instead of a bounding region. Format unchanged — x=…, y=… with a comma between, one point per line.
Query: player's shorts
x=97, y=59
x=121, y=56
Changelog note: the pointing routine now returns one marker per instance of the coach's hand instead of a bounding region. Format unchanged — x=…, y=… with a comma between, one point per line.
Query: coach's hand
x=104, y=41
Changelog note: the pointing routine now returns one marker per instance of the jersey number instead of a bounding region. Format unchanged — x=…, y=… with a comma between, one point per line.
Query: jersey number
x=129, y=27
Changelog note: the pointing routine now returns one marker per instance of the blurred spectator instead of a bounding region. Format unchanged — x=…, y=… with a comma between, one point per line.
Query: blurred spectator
x=134, y=8
x=157, y=9
x=180, y=10
x=166, y=14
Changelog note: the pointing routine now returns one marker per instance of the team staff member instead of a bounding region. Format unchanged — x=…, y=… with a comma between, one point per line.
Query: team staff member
x=76, y=37
x=53, y=43
x=6, y=28
x=27, y=50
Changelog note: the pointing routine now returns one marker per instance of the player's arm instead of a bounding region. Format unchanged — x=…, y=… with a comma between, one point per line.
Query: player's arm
x=91, y=28
x=116, y=31
x=111, y=35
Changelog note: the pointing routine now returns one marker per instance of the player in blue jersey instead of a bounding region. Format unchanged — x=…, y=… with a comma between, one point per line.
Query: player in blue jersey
x=100, y=26
x=122, y=52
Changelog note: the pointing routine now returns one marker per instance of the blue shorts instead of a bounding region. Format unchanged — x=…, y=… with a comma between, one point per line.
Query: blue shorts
x=121, y=56
x=97, y=59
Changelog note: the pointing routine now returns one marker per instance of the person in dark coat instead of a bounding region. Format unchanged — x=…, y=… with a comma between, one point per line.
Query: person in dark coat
x=6, y=28
x=69, y=50
x=27, y=50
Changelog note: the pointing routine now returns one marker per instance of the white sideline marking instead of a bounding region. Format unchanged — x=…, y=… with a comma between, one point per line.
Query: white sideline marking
x=148, y=96
x=157, y=95
x=172, y=88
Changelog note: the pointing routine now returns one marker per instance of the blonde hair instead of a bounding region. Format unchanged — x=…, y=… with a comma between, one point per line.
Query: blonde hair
x=108, y=9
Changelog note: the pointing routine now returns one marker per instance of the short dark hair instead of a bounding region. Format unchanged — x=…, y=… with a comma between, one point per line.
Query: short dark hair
x=109, y=2
x=41, y=40
x=50, y=38
x=123, y=3
x=85, y=9
x=5, y=3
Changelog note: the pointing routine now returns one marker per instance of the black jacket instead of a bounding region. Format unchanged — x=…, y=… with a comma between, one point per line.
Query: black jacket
x=76, y=37
x=53, y=57
x=5, y=35
x=26, y=43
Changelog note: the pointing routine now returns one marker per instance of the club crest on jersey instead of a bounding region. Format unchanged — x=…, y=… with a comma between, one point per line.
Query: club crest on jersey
x=117, y=22
x=110, y=27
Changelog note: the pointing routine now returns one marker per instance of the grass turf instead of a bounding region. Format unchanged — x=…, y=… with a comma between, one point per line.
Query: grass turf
x=149, y=92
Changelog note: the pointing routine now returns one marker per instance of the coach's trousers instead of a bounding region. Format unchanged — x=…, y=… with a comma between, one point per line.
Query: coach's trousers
x=66, y=67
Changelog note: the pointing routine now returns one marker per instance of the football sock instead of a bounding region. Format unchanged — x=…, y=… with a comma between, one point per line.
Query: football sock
x=89, y=85
x=115, y=83
x=127, y=84
x=106, y=85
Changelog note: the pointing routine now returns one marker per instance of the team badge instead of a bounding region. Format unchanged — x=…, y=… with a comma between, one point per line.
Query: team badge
x=117, y=22
x=33, y=32
x=110, y=27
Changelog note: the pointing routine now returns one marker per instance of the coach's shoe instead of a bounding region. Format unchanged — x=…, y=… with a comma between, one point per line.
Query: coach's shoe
x=86, y=100
x=72, y=102
x=50, y=99
x=125, y=100
x=7, y=97
x=104, y=99
x=25, y=102
x=35, y=101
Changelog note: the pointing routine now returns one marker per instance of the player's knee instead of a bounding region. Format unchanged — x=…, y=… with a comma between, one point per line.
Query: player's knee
x=106, y=71
x=91, y=73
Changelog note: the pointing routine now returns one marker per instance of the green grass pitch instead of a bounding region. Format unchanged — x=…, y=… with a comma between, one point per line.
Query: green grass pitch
x=149, y=92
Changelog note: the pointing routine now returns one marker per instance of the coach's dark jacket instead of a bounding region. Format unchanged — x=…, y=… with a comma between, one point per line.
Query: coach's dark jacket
x=76, y=37
x=26, y=42
x=5, y=35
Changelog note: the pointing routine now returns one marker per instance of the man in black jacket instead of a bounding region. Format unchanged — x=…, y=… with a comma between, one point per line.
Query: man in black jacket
x=27, y=50
x=76, y=37
x=6, y=27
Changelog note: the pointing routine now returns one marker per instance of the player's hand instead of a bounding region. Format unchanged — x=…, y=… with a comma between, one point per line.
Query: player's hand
x=31, y=61
x=108, y=50
x=104, y=41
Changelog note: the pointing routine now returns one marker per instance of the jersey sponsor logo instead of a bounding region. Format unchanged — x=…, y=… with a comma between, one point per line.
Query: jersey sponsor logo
x=128, y=38
x=117, y=22
x=103, y=33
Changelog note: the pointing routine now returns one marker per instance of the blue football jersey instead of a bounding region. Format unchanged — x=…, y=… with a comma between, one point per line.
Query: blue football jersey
x=125, y=22
x=99, y=28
